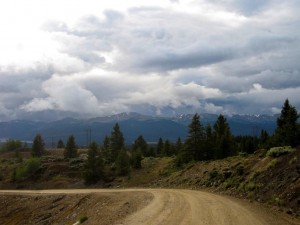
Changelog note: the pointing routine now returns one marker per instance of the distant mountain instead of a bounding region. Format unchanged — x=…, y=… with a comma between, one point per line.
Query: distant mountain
x=132, y=125
x=239, y=124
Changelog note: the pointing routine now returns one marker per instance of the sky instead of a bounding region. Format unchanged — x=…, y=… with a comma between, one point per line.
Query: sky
x=94, y=58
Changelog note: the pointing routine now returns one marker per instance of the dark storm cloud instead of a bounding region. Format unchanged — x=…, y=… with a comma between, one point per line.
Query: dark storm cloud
x=18, y=85
x=173, y=59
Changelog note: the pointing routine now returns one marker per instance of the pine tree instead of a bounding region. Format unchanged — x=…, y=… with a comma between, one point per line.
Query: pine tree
x=123, y=163
x=141, y=144
x=106, y=150
x=209, y=145
x=70, y=149
x=159, y=147
x=38, y=146
x=178, y=146
x=60, y=144
x=93, y=167
x=116, y=142
x=167, y=151
x=136, y=158
x=287, y=131
x=194, y=141
x=223, y=138
x=264, y=139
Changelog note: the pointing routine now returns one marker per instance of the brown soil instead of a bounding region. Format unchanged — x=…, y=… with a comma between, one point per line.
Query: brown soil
x=133, y=207
x=45, y=208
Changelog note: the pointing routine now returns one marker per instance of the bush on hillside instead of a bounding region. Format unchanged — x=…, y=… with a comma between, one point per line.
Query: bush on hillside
x=278, y=151
x=27, y=169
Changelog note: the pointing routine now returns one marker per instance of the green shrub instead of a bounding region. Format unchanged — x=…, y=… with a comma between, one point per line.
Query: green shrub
x=240, y=170
x=248, y=187
x=278, y=151
x=226, y=174
x=213, y=174
x=83, y=219
x=27, y=169
x=251, y=186
x=276, y=199
x=231, y=183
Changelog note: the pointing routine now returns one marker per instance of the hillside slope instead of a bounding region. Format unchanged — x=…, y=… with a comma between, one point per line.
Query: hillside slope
x=275, y=181
x=257, y=177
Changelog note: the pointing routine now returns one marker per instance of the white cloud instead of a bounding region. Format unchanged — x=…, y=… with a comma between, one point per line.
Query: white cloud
x=98, y=58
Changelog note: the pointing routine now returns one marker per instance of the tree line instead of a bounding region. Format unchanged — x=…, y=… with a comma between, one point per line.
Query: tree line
x=203, y=142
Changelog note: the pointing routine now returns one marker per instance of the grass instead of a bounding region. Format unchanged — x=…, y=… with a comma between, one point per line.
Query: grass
x=251, y=186
x=276, y=199
x=152, y=169
x=255, y=174
x=272, y=164
x=293, y=160
x=248, y=187
x=60, y=178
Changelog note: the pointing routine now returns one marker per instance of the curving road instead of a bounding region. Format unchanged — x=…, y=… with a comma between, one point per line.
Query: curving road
x=187, y=207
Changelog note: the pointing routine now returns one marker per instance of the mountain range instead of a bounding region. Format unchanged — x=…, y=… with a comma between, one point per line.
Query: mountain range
x=132, y=125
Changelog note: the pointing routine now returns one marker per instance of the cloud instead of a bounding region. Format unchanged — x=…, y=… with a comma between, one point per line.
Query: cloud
x=160, y=58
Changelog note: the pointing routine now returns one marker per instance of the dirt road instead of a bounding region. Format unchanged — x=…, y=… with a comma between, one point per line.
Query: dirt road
x=185, y=207
x=182, y=207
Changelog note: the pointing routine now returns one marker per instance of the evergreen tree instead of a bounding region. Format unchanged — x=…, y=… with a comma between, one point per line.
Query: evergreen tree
x=246, y=144
x=167, y=148
x=178, y=146
x=106, y=149
x=70, y=149
x=93, y=167
x=116, y=142
x=223, y=138
x=11, y=145
x=141, y=144
x=122, y=163
x=152, y=152
x=38, y=146
x=209, y=144
x=287, y=131
x=60, y=144
x=264, y=139
x=194, y=141
x=136, y=158
x=159, y=147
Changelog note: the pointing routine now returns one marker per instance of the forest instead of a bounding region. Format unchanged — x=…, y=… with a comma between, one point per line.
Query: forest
x=202, y=143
